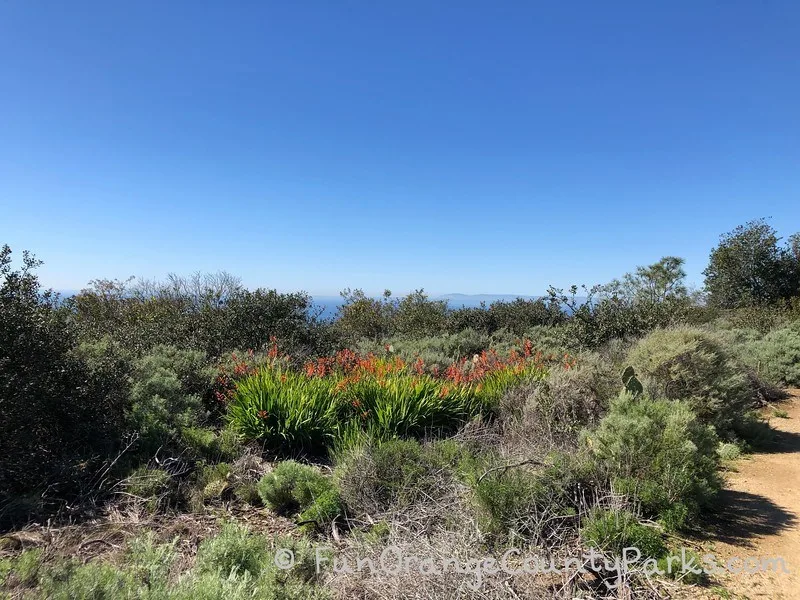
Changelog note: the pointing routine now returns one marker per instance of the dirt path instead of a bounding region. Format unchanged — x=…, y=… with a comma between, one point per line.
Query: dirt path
x=760, y=515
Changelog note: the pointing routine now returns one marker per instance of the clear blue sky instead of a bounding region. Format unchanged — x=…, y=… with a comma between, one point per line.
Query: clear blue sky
x=492, y=147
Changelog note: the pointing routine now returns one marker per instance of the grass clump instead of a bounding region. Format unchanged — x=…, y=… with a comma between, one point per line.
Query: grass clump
x=286, y=410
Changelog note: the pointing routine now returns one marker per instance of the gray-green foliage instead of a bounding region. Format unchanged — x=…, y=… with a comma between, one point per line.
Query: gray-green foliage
x=614, y=530
x=165, y=395
x=293, y=488
x=776, y=357
x=393, y=475
x=690, y=364
x=551, y=412
x=234, y=564
x=151, y=484
x=537, y=501
x=435, y=351
x=659, y=453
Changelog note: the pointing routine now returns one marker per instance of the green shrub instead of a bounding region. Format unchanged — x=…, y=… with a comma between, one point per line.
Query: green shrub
x=728, y=451
x=534, y=501
x=57, y=417
x=416, y=315
x=776, y=357
x=323, y=508
x=247, y=492
x=166, y=394
x=362, y=317
x=90, y=581
x=277, y=489
x=690, y=364
x=660, y=454
x=614, y=530
x=211, y=313
x=233, y=549
x=211, y=483
x=149, y=561
x=393, y=475
x=154, y=486
x=294, y=488
x=209, y=444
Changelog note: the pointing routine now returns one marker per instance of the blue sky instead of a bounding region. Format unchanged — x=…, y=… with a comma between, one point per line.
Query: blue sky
x=475, y=147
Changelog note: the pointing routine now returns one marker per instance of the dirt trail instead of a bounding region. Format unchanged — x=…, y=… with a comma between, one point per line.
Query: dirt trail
x=760, y=513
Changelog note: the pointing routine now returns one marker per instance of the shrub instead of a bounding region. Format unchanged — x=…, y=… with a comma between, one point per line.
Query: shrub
x=362, y=317
x=149, y=561
x=690, y=364
x=539, y=501
x=57, y=417
x=211, y=483
x=520, y=315
x=728, y=451
x=166, y=395
x=233, y=550
x=749, y=267
x=212, y=313
x=208, y=444
x=393, y=475
x=551, y=412
x=416, y=315
x=475, y=318
x=94, y=580
x=776, y=357
x=660, y=454
x=295, y=488
x=614, y=530
x=154, y=486
x=286, y=488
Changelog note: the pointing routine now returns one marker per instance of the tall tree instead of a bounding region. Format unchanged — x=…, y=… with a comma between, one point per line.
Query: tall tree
x=749, y=266
x=654, y=283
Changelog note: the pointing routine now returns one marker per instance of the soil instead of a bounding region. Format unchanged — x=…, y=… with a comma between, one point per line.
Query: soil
x=759, y=515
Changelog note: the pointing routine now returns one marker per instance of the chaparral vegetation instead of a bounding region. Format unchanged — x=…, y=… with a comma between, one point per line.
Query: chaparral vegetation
x=166, y=439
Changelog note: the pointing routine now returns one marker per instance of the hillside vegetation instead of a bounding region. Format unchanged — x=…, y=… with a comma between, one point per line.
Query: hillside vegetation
x=550, y=426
